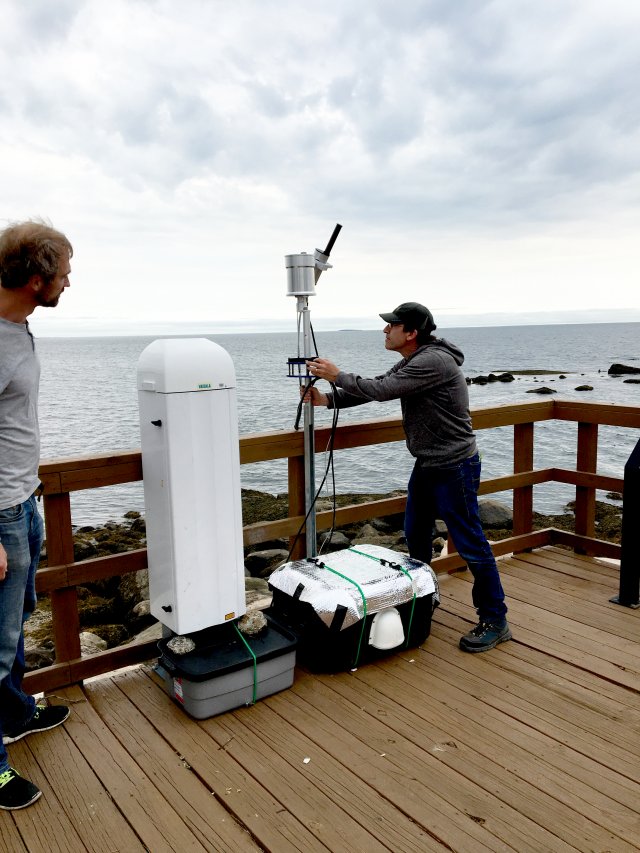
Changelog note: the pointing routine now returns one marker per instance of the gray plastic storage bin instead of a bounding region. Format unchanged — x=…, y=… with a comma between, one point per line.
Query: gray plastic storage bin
x=220, y=673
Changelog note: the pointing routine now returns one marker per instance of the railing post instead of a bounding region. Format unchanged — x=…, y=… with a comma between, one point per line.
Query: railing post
x=296, y=478
x=587, y=459
x=451, y=545
x=523, y=495
x=64, y=602
x=629, y=594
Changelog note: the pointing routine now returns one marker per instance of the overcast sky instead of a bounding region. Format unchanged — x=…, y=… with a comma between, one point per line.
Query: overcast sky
x=482, y=157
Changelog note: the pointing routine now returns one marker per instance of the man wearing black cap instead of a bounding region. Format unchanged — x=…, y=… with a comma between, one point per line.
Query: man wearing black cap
x=444, y=484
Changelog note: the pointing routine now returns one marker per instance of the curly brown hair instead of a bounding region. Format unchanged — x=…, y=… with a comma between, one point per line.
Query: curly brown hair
x=30, y=248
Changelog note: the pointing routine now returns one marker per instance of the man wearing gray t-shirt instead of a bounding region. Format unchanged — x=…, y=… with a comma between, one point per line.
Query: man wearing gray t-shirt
x=34, y=271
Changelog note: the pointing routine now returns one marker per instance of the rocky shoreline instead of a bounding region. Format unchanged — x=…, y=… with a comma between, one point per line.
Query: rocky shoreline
x=510, y=376
x=115, y=611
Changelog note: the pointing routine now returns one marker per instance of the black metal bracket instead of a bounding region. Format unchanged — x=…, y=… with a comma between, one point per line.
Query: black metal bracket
x=295, y=368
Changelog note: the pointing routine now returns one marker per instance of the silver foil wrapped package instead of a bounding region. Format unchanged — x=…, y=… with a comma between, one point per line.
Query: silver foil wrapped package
x=364, y=579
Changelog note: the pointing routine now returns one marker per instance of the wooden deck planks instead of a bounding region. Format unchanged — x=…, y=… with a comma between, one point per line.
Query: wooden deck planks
x=593, y=719
x=251, y=804
x=540, y=570
x=559, y=635
x=280, y=727
x=533, y=747
x=536, y=751
x=26, y=830
x=276, y=759
x=599, y=572
x=569, y=600
x=434, y=793
x=413, y=707
x=154, y=821
x=332, y=722
x=10, y=841
x=168, y=771
x=75, y=812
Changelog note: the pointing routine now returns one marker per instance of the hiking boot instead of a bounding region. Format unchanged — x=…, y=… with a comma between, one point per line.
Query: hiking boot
x=16, y=792
x=45, y=717
x=485, y=636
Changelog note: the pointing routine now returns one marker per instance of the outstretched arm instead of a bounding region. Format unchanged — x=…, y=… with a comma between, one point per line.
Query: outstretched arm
x=323, y=369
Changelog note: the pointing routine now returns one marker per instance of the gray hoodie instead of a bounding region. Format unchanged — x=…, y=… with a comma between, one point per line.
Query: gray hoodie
x=434, y=399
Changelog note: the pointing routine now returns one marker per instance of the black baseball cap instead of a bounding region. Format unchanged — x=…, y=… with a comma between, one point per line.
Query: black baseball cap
x=411, y=314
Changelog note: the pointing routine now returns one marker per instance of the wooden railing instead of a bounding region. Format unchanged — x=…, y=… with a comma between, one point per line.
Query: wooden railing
x=63, y=476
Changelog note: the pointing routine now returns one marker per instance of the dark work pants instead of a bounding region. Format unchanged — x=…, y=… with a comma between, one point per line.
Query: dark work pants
x=451, y=494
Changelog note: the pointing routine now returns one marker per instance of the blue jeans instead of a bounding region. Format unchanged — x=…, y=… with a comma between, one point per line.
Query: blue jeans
x=451, y=494
x=21, y=534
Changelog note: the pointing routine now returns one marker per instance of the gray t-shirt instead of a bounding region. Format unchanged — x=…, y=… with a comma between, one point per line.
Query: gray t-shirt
x=19, y=432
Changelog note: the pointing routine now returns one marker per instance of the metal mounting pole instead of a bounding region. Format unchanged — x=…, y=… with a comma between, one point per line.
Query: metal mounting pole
x=309, y=442
x=303, y=272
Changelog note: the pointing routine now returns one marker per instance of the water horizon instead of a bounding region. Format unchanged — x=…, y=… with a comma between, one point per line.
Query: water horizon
x=45, y=325
x=88, y=401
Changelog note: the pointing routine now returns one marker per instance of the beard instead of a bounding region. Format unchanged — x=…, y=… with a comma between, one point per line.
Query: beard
x=45, y=300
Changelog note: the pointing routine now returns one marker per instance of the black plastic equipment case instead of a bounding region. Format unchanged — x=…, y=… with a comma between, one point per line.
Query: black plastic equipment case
x=329, y=649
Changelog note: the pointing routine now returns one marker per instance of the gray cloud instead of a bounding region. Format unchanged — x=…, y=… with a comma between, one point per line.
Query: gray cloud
x=43, y=22
x=415, y=111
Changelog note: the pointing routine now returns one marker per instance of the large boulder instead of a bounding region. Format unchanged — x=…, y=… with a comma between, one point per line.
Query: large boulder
x=39, y=656
x=94, y=609
x=495, y=515
x=622, y=369
x=114, y=634
x=368, y=533
x=134, y=587
x=152, y=632
x=438, y=545
x=383, y=525
x=256, y=590
x=337, y=542
x=90, y=643
x=262, y=563
x=492, y=377
x=441, y=528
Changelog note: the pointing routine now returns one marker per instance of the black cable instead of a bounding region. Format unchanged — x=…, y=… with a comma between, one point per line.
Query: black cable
x=329, y=536
x=312, y=380
x=313, y=338
x=307, y=388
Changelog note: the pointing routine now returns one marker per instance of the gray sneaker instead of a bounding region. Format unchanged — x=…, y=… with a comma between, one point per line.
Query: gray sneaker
x=484, y=636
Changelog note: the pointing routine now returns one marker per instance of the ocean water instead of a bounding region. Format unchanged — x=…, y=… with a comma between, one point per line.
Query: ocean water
x=88, y=402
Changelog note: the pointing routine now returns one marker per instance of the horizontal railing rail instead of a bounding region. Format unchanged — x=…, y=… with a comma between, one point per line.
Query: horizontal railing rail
x=61, y=477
